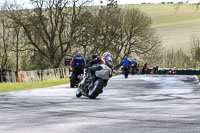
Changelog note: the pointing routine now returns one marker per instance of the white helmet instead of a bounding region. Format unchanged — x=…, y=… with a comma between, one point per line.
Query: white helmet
x=107, y=54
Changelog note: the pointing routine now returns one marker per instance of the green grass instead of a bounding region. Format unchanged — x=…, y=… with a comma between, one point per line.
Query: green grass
x=7, y=87
x=166, y=14
x=198, y=76
x=174, y=27
x=113, y=75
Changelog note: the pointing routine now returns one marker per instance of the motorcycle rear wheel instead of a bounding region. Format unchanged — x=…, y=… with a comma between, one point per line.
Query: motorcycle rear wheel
x=73, y=80
x=126, y=74
x=96, y=90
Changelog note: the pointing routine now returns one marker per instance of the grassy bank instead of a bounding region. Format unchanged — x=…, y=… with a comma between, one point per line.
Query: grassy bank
x=113, y=75
x=6, y=87
x=167, y=14
x=174, y=27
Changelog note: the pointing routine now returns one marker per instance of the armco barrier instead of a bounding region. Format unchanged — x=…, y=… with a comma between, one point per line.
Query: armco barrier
x=58, y=73
x=166, y=71
x=179, y=71
x=8, y=76
x=32, y=76
x=42, y=75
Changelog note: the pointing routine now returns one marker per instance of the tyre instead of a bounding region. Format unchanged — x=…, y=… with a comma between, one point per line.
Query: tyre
x=73, y=81
x=78, y=92
x=96, y=90
x=133, y=71
x=126, y=74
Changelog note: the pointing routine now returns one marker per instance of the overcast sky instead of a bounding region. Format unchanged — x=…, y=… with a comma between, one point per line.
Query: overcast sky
x=121, y=1
x=151, y=1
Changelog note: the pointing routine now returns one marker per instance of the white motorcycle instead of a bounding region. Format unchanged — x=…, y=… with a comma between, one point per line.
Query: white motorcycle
x=92, y=85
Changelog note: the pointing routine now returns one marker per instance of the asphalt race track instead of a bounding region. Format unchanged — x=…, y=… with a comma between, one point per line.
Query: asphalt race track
x=139, y=104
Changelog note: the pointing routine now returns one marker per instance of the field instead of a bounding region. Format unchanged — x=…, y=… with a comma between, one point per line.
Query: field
x=174, y=27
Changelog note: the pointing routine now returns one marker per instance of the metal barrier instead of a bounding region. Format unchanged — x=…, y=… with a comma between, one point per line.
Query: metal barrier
x=166, y=71
x=178, y=71
x=58, y=73
x=32, y=76
x=8, y=76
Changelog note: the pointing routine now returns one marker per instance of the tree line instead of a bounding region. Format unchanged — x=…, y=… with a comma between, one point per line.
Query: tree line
x=43, y=36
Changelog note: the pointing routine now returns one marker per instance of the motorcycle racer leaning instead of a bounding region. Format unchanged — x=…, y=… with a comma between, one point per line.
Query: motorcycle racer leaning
x=102, y=61
x=93, y=82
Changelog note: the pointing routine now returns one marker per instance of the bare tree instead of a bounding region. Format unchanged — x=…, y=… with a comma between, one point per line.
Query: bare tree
x=124, y=33
x=4, y=41
x=50, y=27
x=19, y=43
x=120, y=31
x=84, y=34
x=56, y=28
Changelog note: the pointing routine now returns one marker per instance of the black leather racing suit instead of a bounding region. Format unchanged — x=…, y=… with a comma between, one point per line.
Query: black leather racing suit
x=101, y=61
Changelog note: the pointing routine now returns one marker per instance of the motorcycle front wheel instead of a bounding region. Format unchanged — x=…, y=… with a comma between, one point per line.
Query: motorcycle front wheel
x=78, y=92
x=96, y=90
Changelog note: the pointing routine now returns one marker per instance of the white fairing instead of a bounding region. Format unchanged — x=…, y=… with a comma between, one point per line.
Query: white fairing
x=82, y=82
x=104, y=73
x=105, y=67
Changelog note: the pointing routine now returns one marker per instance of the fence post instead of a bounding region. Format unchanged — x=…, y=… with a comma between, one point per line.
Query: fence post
x=19, y=77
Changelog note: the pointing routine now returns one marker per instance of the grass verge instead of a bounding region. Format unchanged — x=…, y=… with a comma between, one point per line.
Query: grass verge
x=6, y=87
x=113, y=75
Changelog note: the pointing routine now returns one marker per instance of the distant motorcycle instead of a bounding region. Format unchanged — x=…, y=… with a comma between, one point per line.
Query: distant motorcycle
x=126, y=71
x=92, y=85
x=134, y=69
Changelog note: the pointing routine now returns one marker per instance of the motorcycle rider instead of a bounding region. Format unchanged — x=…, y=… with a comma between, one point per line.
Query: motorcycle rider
x=94, y=56
x=105, y=59
x=144, y=68
x=103, y=62
x=155, y=69
x=172, y=71
x=126, y=65
x=77, y=64
x=134, y=65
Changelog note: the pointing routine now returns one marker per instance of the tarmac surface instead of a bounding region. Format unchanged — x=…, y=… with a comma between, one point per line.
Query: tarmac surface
x=139, y=104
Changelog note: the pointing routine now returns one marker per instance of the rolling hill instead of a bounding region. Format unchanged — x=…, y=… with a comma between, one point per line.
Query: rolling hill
x=174, y=27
